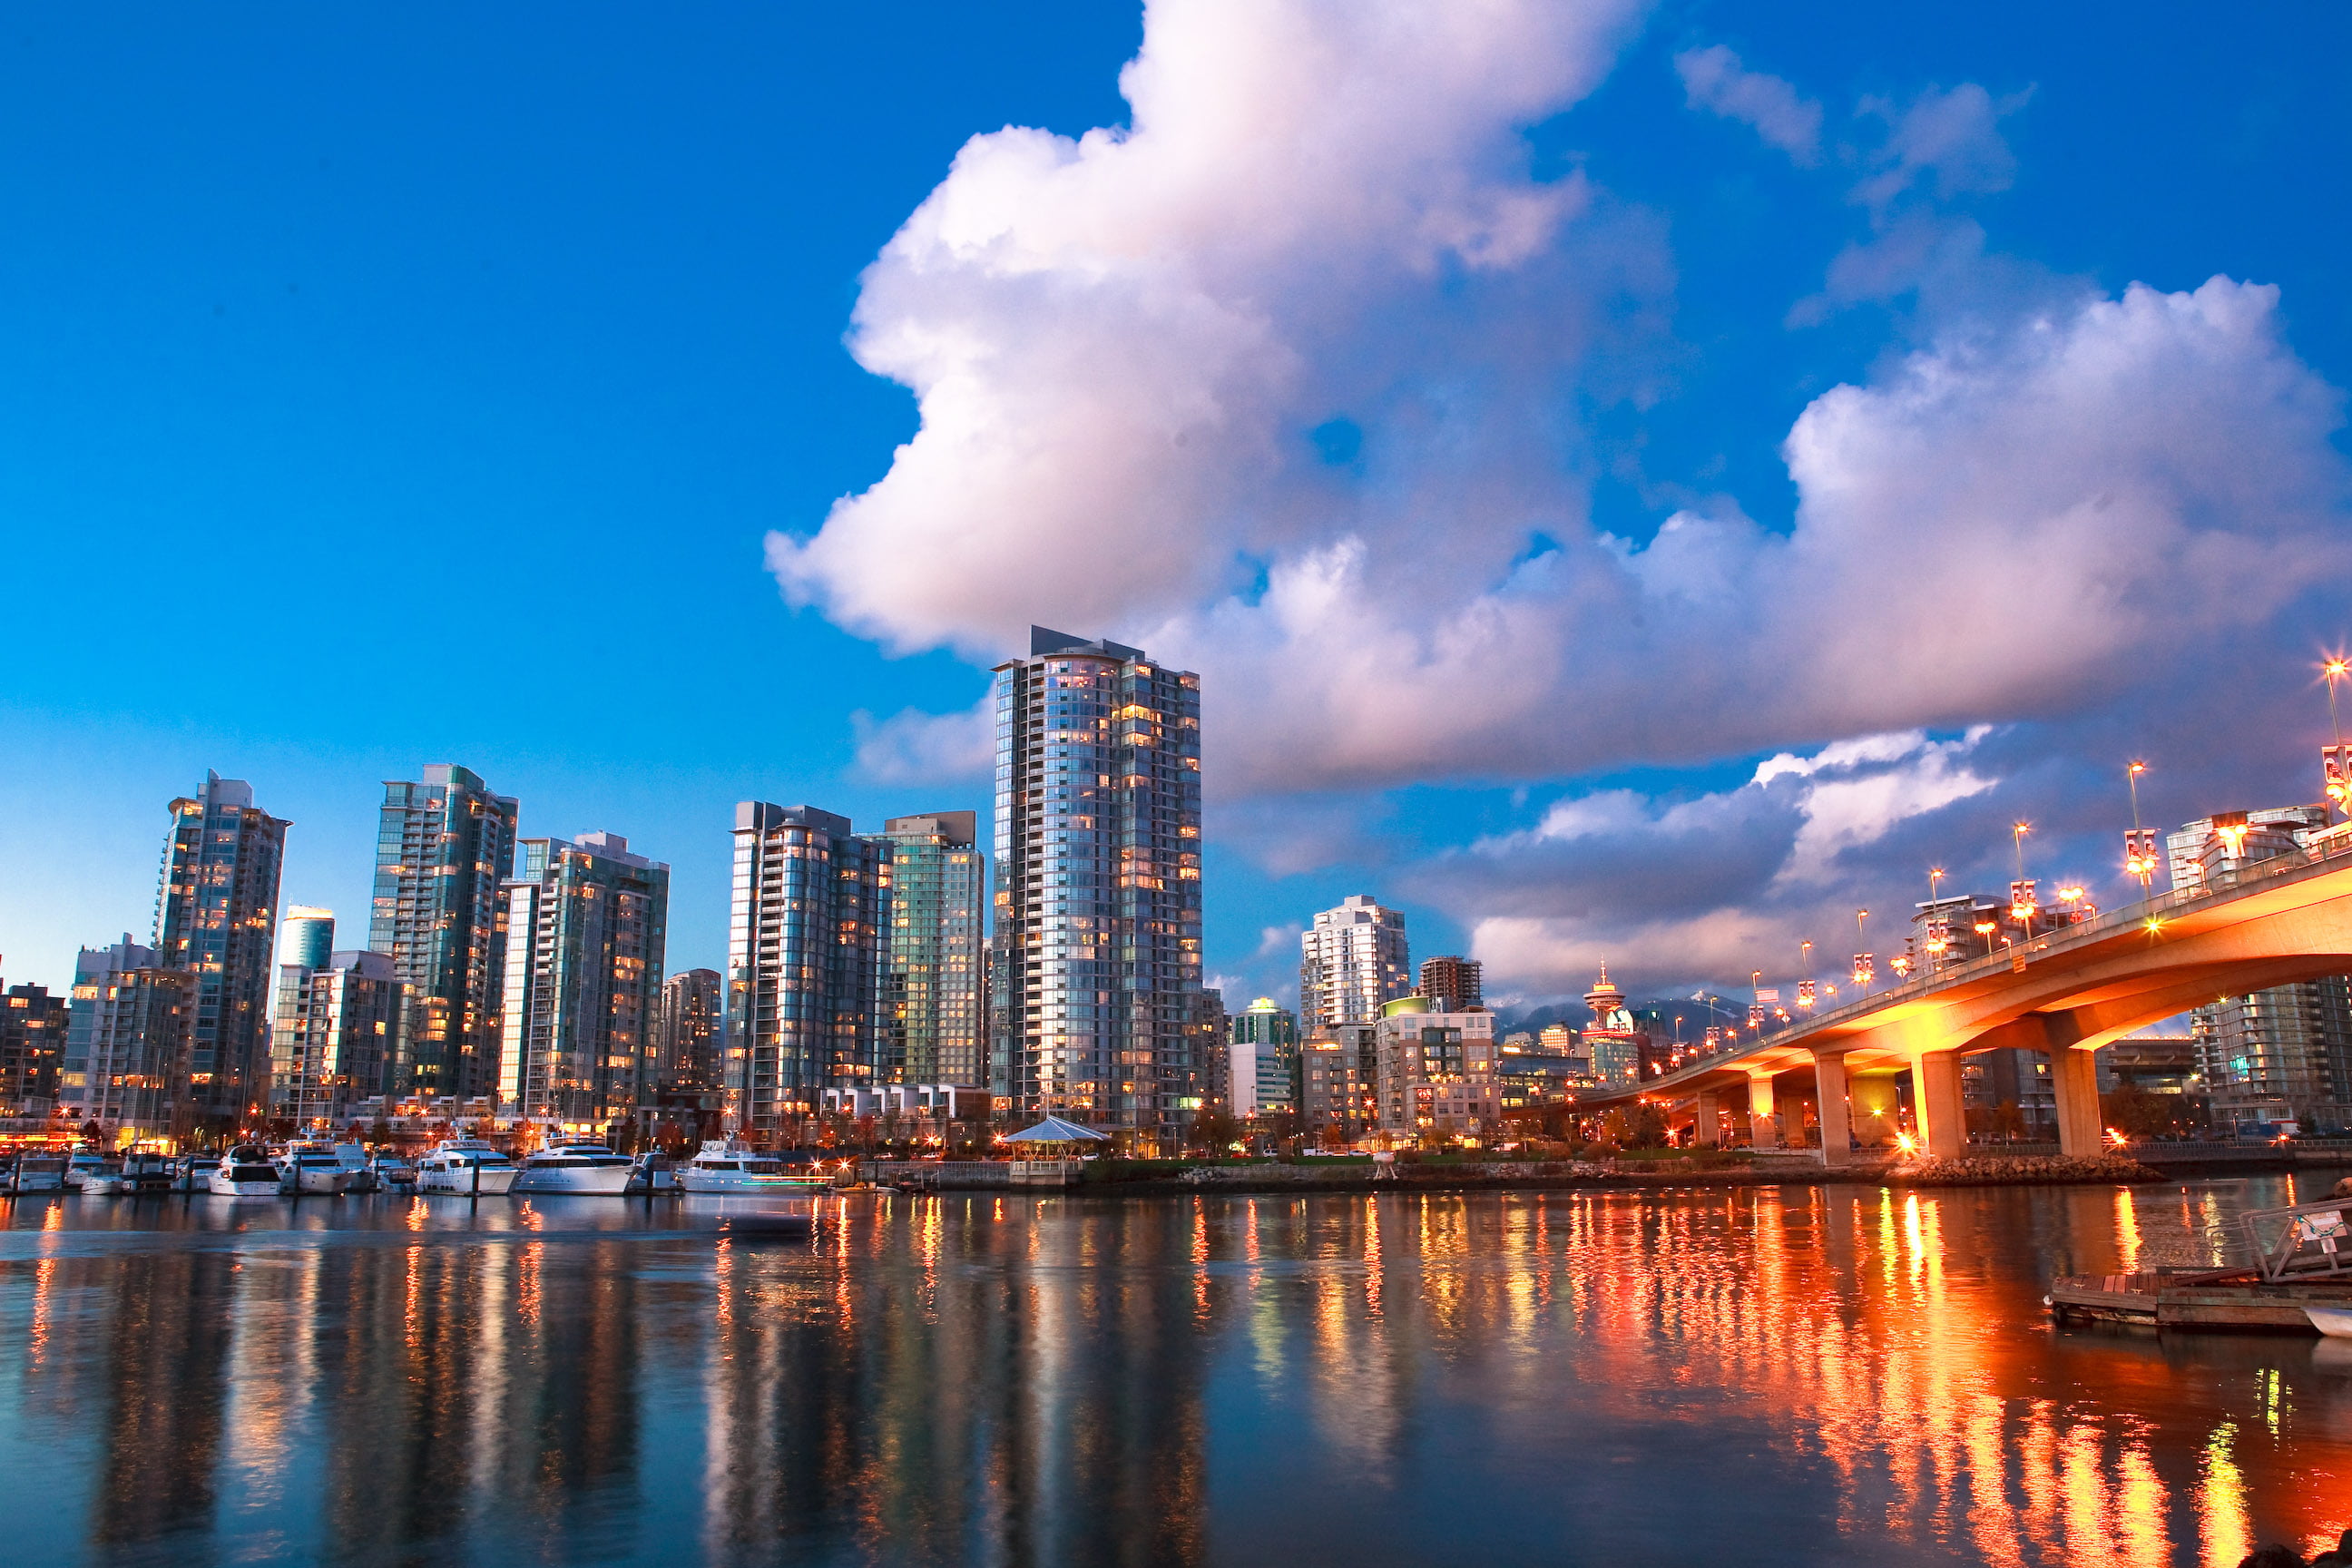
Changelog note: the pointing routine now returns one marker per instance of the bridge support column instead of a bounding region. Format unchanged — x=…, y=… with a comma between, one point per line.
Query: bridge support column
x=1829, y=1074
x=2074, y=1079
x=1710, y=1119
x=1935, y=1099
x=1763, y=1131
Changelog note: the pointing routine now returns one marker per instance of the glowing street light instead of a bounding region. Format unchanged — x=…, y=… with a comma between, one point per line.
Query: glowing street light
x=2023, y=906
x=2334, y=763
x=1805, y=985
x=2139, y=843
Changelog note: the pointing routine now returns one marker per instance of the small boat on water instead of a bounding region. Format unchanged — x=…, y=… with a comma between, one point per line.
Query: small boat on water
x=141, y=1171
x=35, y=1172
x=312, y=1169
x=731, y=1165
x=87, y=1165
x=244, y=1171
x=653, y=1172
x=391, y=1173
x=463, y=1167
x=2336, y=1322
x=577, y=1166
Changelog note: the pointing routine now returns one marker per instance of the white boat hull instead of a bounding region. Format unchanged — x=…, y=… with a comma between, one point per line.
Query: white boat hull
x=600, y=1181
x=497, y=1181
x=2336, y=1322
x=221, y=1187
x=322, y=1184
x=690, y=1180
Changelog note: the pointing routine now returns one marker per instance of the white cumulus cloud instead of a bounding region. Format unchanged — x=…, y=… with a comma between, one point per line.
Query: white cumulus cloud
x=1715, y=80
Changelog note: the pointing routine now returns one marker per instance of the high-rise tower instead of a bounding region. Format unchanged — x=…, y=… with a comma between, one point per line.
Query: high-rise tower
x=216, y=918
x=587, y=923
x=933, y=1016
x=1352, y=961
x=443, y=846
x=803, y=959
x=1094, y=1012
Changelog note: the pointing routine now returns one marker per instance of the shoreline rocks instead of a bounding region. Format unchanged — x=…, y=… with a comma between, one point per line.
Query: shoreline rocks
x=2031, y=1170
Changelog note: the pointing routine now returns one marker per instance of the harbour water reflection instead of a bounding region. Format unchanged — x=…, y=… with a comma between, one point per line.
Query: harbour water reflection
x=1763, y=1375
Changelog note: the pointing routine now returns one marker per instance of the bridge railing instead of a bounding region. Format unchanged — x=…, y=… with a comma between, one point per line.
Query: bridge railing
x=2015, y=955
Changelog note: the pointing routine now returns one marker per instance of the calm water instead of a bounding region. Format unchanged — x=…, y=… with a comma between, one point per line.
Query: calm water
x=1750, y=1377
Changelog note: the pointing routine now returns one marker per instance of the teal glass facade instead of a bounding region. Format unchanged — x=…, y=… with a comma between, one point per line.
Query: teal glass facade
x=443, y=846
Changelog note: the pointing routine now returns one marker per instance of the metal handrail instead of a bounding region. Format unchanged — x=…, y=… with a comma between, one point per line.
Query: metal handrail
x=2275, y=868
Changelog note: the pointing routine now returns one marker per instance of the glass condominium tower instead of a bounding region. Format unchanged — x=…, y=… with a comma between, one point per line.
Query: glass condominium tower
x=1094, y=1008
x=216, y=918
x=803, y=964
x=933, y=1016
x=443, y=846
x=587, y=925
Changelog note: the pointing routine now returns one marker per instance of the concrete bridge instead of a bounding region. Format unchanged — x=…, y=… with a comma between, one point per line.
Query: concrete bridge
x=2066, y=993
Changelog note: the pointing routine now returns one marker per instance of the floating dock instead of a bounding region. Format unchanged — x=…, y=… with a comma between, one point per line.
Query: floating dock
x=2223, y=1299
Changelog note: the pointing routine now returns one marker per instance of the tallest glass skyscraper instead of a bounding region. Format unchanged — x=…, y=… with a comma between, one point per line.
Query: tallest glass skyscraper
x=216, y=918
x=1094, y=999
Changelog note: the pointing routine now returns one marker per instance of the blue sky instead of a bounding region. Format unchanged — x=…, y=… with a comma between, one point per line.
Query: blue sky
x=379, y=390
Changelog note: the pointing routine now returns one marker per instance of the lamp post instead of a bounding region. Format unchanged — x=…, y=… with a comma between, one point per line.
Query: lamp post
x=2139, y=848
x=2334, y=766
x=1863, y=968
x=2022, y=907
x=1805, y=981
x=1940, y=929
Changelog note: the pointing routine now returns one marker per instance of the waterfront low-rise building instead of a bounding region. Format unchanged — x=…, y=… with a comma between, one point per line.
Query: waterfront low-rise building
x=341, y=1031
x=1339, y=1073
x=33, y=1027
x=1264, y=1060
x=1436, y=1070
x=127, y=1041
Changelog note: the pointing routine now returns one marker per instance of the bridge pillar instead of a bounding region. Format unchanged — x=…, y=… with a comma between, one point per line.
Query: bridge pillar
x=1710, y=1119
x=2074, y=1079
x=1935, y=1099
x=1829, y=1076
x=1764, y=1132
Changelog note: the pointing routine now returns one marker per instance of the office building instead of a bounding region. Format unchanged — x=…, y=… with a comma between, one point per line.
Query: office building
x=215, y=918
x=1452, y=984
x=32, y=1049
x=1264, y=1059
x=128, y=1042
x=686, y=1030
x=1539, y=1070
x=306, y=937
x=445, y=846
x=1435, y=1071
x=1352, y=962
x=586, y=925
x=2279, y=1055
x=1095, y=1007
x=1339, y=1071
x=804, y=946
x=342, y=1025
x=934, y=1012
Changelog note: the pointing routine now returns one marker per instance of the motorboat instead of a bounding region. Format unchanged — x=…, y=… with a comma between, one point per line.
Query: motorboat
x=85, y=1166
x=653, y=1172
x=36, y=1171
x=189, y=1173
x=465, y=1166
x=2336, y=1322
x=354, y=1159
x=575, y=1165
x=309, y=1168
x=391, y=1173
x=244, y=1171
x=731, y=1165
x=141, y=1171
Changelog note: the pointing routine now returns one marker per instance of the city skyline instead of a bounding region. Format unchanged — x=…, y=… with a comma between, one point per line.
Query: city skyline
x=1757, y=252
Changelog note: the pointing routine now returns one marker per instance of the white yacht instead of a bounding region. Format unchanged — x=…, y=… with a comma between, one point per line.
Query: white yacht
x=731, y=1165
x=391, y=1174
x=312, y=1168
x=575, y=1165
x=465, y=1166
x=244, y=1171
x=88, y=1165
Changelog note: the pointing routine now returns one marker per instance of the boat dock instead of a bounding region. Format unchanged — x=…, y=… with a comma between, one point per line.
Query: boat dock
x=2301, y=1259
